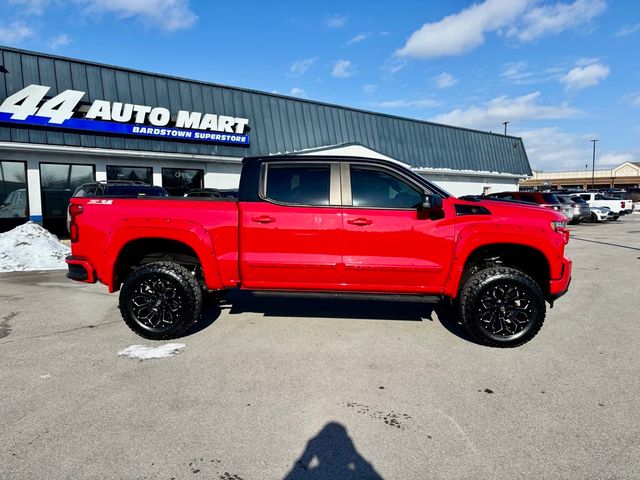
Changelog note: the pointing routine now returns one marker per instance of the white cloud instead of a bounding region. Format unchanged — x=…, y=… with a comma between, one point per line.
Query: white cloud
x=335, y=21
x=15, y=33
x=517, y=72
x=59, y=41
x=358, y=38
x=585, y=76
x=635, y=102
x=613, y=159
x=169, y=15
x=551, y=149
x=300, y=67
x=394, y=64
x=525, y=20
x=343, y=69
x=523, y=73
x=445, y=80
x=32, y=7
x=500, y=109
x=297, y=92
x=628, y=30
x=555, y=18
x=419, y=103
x=369, y=88
x=463, y=31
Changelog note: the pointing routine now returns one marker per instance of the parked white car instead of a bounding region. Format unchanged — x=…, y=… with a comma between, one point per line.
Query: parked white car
x=600, y=214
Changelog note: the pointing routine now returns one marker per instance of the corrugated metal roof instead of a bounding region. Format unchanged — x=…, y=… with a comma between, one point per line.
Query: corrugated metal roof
x=278, y=124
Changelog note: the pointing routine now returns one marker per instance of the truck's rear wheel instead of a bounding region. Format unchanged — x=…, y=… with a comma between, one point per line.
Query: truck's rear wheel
x=502, y=307
x=160, y=300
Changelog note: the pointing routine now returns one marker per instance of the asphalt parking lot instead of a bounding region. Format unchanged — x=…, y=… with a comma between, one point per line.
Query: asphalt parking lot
x=308, y=389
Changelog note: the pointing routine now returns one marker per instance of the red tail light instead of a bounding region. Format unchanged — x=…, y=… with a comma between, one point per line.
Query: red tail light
x=622, y=204
x=75, y=210
x=74, y=231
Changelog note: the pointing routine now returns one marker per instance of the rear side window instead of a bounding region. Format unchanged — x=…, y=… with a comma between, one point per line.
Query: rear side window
x=298, y=185
x=549, y=198
x=528, y=197
x=378, y=189
x=508, y=196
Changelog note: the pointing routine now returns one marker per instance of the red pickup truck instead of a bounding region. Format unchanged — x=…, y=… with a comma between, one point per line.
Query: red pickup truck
x=324, y=224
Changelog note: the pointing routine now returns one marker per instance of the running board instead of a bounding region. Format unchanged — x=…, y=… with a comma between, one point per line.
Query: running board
x=349, y=296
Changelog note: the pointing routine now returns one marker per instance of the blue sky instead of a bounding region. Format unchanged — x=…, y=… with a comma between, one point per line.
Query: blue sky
x=561, y=72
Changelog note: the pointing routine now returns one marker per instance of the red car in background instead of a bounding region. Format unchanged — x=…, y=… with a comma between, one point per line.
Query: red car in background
x=542, y=199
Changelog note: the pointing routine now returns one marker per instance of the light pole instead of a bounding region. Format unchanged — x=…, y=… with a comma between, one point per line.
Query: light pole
x=505, y=127
x=593, y=163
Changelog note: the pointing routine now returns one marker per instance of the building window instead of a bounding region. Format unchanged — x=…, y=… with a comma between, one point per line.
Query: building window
x=58, y=182
x=178, y=181
x=14, y=204
x=138, y=174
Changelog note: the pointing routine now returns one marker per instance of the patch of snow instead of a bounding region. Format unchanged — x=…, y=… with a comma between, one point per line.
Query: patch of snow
x=31, y=247
x=45, y=376
x=142, y=352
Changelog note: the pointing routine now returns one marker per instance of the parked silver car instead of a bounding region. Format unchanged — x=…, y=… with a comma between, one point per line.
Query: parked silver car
x=574, y=208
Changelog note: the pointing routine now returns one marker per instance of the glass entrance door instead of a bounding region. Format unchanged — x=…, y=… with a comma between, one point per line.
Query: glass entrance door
x=58, y=182
x=178, y=181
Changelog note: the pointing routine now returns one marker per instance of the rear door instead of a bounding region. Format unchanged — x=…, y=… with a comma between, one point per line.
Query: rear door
x=291, y=237
x=390, y=245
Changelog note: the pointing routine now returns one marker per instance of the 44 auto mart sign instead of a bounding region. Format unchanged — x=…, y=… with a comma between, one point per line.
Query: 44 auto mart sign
x=30, y=107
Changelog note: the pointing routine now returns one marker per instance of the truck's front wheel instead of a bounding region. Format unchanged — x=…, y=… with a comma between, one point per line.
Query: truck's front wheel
x=160, y=300
x=502, y=307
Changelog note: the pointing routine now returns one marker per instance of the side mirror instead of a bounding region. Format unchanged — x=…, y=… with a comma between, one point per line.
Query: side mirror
x=431, y=202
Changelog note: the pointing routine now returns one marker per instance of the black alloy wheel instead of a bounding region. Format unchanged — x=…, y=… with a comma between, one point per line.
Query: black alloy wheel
x=160, y=300
x=502, y=307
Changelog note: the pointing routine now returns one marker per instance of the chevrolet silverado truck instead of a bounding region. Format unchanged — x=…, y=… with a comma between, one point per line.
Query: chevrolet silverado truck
x=328, y=225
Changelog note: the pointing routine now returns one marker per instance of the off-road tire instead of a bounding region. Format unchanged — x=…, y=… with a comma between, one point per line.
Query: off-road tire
x=481, y=289
x=169, y=288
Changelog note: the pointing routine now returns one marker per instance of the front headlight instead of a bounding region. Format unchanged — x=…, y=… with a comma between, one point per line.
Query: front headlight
x=558, y=225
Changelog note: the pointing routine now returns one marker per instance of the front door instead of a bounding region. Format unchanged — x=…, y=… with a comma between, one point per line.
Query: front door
x=390, y=245
x=290, y=238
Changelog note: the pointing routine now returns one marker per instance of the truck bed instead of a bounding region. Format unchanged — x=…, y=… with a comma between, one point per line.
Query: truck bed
x=198, y=222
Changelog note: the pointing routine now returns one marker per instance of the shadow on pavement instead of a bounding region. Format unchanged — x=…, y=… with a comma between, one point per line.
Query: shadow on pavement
x=331, y=455
x=314, y=307
x=449, y=319
x=403, y=309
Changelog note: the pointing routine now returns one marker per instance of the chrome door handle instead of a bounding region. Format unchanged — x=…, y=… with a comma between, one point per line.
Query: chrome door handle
x=361, y=222
x=263, y=219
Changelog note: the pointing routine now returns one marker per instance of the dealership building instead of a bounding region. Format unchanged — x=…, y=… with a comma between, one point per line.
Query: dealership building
x=64, y=122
